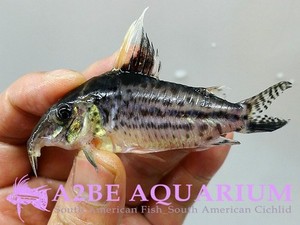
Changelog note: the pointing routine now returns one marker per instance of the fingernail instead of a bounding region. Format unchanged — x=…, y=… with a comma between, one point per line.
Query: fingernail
x=94, y=182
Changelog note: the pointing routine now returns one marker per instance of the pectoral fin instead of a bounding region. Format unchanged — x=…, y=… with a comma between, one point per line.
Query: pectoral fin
x=90, y=157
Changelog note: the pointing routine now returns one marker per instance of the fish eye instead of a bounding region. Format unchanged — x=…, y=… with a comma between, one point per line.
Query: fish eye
x=64, y=112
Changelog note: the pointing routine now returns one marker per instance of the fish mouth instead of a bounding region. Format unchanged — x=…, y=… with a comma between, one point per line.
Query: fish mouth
x=33, y=153
x=49, y=133
x=34, y=147
x=34, y=164
x=36, y=142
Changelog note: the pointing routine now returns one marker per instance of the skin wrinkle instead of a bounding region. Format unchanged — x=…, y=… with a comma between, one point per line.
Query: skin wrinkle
x=69, y=220
x=214, y=160
x=199, y=178
x=196, y=185
x=144, y=168
x=102, y=169
x=153, y=170
x=100, y=66
x=138, y=219
x=17, y=108
x=16, y=95
x=30, y=92
x=9, y=171
x=31, y=118
x=187, y=173
x=114, y=174
x=63, y=163
x=60, y=81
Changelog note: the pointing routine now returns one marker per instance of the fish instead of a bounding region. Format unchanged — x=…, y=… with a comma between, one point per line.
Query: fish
x=25, y=195
x=130, y=110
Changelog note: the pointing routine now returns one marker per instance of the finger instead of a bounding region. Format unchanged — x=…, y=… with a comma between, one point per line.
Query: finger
x=14, y=163
x=100, y=67
x=111, y=172
x=196, y=169
x=29, y=210
x=28, y=98
x=147, y=170
x=56, y=163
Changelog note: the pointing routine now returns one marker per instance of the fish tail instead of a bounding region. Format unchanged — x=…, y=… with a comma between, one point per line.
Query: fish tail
x=256, y=105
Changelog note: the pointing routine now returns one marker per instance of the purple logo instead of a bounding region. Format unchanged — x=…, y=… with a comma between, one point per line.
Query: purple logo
x=25, y=195
x=37, y=197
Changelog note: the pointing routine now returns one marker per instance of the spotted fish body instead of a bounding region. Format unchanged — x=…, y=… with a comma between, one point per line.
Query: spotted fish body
x=129, y=110
x=143, y=114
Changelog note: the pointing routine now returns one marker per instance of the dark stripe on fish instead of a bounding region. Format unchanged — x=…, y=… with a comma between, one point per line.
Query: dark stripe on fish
x=197, y=114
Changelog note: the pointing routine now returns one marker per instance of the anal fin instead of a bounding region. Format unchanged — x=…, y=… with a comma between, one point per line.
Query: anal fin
x=224, y=141
x=144, y=153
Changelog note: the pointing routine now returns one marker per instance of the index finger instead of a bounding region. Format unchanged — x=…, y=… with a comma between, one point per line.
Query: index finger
x=100, y=67
x=21, y=106
x=28, y=98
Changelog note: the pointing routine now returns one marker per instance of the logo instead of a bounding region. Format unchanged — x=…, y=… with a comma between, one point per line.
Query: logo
x=25, y=195
x=265, y=193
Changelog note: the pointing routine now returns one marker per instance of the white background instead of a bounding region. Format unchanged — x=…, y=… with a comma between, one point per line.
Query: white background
x=246, y=45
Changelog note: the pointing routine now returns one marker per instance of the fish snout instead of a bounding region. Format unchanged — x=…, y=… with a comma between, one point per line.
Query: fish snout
x=34, y=151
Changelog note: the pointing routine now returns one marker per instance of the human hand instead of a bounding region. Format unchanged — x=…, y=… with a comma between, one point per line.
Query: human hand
x=21, y=106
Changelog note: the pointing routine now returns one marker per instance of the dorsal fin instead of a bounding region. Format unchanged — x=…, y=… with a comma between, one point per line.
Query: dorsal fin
x=137, y=53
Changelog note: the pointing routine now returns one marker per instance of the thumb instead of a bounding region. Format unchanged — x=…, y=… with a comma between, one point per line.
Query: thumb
x=92, y=197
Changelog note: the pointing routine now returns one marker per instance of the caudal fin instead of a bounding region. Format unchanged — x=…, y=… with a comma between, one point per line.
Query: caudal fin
x=256, y=105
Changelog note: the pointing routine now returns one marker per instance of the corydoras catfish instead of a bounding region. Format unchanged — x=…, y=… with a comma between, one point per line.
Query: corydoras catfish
x=130, y=110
